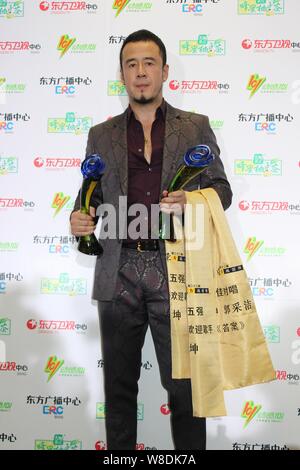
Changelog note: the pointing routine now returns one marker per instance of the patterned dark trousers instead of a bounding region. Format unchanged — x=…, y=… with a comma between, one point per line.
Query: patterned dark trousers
x=141, y=299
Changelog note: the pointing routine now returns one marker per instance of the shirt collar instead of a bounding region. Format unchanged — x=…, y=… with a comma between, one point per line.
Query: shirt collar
x=160, y=111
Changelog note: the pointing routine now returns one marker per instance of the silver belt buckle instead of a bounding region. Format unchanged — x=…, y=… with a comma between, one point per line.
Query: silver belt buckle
x=139, y=247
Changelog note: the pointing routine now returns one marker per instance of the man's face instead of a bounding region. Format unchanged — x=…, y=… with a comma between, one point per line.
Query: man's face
x=143, y=73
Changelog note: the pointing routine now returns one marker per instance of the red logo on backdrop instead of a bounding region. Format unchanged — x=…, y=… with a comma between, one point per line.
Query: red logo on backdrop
x=38, y=162
x=165, y=409
x=44, y=6
x=100, y=445
x=31, y=324
x=244, y=205
x=298, y=332
x=174, y=84
x=247, y=44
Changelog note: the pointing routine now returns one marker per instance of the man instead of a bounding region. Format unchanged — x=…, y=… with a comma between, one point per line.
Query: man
x=142, y=149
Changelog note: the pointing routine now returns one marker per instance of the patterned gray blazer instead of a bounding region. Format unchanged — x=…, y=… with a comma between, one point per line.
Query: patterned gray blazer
x=182, y=131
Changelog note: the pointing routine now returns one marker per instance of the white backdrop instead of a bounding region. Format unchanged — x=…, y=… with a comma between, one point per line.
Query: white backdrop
x=237, y=62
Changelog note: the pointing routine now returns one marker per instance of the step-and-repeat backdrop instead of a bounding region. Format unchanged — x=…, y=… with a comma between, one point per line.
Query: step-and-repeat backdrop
x=236, y=61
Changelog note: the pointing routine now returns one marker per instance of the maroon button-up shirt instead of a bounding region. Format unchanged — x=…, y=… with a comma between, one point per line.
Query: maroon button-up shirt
x=144, y=178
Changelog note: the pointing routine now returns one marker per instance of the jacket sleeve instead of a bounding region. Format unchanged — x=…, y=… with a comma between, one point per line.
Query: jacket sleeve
x=214, y=176
x=96, y=198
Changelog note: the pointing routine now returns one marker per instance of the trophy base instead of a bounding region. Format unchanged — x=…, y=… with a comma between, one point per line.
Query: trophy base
x=166, y=231
x=89, y=245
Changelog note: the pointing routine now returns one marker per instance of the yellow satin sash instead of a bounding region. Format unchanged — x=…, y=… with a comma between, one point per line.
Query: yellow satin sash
x=217, y=339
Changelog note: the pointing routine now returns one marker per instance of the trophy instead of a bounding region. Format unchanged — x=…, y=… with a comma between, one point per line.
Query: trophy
x=92, y=168
x=195, y=160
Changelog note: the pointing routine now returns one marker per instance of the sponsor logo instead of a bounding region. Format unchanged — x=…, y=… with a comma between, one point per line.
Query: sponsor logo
x=64, y=285
x=119, y=5
x=58, y=443
x=272, y=333
x=202, y=46
x=5, y=406
x=100, y=445
x=10, y=202
x=269, y=45
x=59, y=201
x=9, y=89
x=8, y=165
x=261, y=446
x=143, y=446
x=9, y=246
x=53, y=326
x=140, y=411
x=7, y=277
x=165, y=409
x=216, y=124
x=55, y=244
x=62, y=7
x=253, y=246
x=198, y=86
x=131, y=6
x=101, y=410
x=11, y=366
x=56, y=411
x=11, y=9
x=267, y=287
x=265, y=122
x=5, y=326
x=261, y=7
x=287, y=377
x=256, y=83
x=9, y=47
x=70, y=124
x=116, y=88
x=249, y=411
x=269, y=207
x=192, y=8
x=8, y=437
x=258, y=166
x=55, y=163
x=116, y=39
x=8, y=121
x=52, y=367
x=66, y=43
x=65, y=86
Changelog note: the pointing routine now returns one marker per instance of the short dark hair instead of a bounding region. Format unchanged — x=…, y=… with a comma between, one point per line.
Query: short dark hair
x=145, y=35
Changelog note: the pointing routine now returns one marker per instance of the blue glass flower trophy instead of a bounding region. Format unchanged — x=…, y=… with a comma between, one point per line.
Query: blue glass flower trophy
x=195, y=160
x=92, y=169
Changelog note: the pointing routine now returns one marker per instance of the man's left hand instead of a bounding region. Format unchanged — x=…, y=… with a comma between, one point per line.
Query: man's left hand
x=173, y=203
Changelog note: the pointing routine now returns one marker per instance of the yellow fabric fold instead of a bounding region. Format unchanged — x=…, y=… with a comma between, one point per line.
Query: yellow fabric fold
x=217, y=339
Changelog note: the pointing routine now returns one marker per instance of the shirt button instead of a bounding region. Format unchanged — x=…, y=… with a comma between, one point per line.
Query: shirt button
x=150, y=169
x=140, y=150
x=148, y=193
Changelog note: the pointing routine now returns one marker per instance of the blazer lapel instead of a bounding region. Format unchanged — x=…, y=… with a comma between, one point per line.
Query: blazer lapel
x=119, y=149
x=174, y=146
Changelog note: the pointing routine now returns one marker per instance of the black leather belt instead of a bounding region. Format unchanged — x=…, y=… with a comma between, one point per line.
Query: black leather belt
x=142, y=245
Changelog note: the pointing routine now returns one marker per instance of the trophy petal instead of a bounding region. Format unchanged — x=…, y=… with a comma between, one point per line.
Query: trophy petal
x=198, y=156
x=93, y=166
x=195, y=161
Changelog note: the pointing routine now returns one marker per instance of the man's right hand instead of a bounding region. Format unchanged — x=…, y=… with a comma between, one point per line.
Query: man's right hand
x=83, y=224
